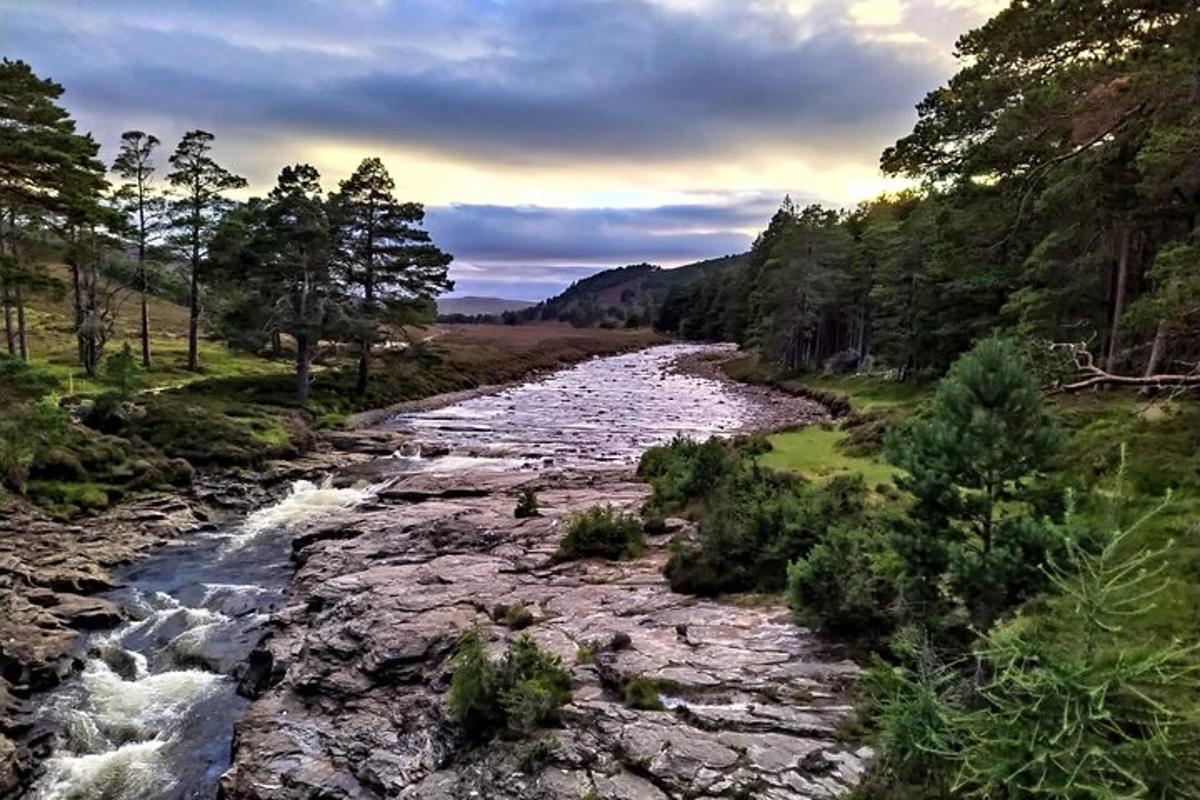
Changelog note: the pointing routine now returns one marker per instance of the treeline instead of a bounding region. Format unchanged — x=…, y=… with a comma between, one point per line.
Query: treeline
x=1060, y=190
x=346, y=266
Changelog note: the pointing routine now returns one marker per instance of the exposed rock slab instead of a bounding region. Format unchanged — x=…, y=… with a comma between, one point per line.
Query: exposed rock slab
x=356, y=668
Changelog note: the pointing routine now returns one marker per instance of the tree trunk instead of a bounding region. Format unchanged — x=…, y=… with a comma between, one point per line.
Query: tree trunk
x=145, y=329
x=8, y=321
x=1119, y=294
x=1157, y=350
x=193, y=359
x=364, y=366
x=24, y=349
x=302, y=360
x=141, y=267
x=77, y=300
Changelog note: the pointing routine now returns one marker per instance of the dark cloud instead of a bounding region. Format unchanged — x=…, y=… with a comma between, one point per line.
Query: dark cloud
x=560, y=84
x=530, y=81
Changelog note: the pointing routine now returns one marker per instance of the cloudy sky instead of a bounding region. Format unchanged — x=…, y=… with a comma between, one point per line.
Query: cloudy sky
x=548, y=138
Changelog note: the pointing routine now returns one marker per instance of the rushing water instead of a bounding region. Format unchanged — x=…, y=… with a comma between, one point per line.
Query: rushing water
x=152, y=713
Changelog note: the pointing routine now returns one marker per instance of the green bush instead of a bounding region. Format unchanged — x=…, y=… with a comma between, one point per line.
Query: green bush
x=915, y=707
x=520, y=694
x=1081, y=702
x=123, y=372
x=758, y=522
x=601, y=532
x=848, y=583
x=527, y=504
x=641, y=693
x=516, y=616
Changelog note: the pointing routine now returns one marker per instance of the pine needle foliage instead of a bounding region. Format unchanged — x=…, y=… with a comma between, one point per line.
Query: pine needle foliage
x=1097, y=710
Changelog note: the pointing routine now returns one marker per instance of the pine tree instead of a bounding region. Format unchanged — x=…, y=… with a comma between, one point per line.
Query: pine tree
x=135, y=163
x=385, y=255
x=49, y=177
x=291, y=248
x=202, y=183
x=969, y=463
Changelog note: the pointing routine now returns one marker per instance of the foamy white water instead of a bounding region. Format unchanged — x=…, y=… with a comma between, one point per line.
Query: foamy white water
x=305, y=502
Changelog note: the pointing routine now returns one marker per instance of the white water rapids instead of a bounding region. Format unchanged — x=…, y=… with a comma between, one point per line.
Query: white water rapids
x=150, y=715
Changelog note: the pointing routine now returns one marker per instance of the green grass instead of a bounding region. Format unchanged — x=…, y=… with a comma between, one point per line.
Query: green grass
x=813, y=453
x=869, y=394
x=169, y=368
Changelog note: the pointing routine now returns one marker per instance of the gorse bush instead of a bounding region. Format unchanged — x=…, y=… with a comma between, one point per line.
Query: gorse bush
x=601, y=532
x=848, y=583
x=521, y=693
x=686, y=472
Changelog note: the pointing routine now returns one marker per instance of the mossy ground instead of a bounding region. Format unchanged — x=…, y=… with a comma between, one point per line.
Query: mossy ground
x=815, y=453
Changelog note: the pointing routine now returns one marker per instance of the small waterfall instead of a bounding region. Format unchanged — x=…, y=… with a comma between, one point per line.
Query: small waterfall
x=305, y=502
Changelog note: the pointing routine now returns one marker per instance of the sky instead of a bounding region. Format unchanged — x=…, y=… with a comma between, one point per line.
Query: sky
x=548, y=139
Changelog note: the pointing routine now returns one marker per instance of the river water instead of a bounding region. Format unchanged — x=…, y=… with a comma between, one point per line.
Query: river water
x=151, y=715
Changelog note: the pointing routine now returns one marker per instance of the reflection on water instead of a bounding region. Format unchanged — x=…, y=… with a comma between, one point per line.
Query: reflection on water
x=606, y=409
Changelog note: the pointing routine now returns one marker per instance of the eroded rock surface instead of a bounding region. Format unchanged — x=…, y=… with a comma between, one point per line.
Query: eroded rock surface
x=351, y=681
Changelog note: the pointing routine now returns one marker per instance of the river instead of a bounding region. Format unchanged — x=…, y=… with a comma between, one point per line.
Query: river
x=151, y=715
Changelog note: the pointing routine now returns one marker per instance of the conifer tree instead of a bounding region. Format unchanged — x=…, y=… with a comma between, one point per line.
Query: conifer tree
x=49, y=175
x=969, y=463
x=202, y=183
x=385, y=255
x=138, y=199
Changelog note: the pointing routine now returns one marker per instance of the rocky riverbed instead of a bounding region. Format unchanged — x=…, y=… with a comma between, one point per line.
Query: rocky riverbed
x=348, y=687
x=351, y=682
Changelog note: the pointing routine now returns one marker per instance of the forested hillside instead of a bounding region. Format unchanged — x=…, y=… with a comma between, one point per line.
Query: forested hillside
x=624, y=297
x=1059, y=193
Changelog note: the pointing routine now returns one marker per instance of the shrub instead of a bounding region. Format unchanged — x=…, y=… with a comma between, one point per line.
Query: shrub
x=474, y=688
x=602, y=532
x=516, y=616
x=759, y=521
x=685, y=471
x=848, y=582
x=1088, y=705
x=534, y=685
x=123, y=373
x=642, y=693
x=527, y=504
x=520, y=694
x=915, y=708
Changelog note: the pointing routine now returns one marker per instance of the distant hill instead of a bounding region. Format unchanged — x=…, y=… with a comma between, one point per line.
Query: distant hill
x=473, y=306
x=622, y=297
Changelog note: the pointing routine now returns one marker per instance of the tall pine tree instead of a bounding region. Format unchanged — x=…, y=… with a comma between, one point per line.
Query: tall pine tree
x=202, y=184
x=385, y=255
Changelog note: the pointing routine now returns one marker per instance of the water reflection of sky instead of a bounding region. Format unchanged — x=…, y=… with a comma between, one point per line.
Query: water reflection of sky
x=608, y=409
